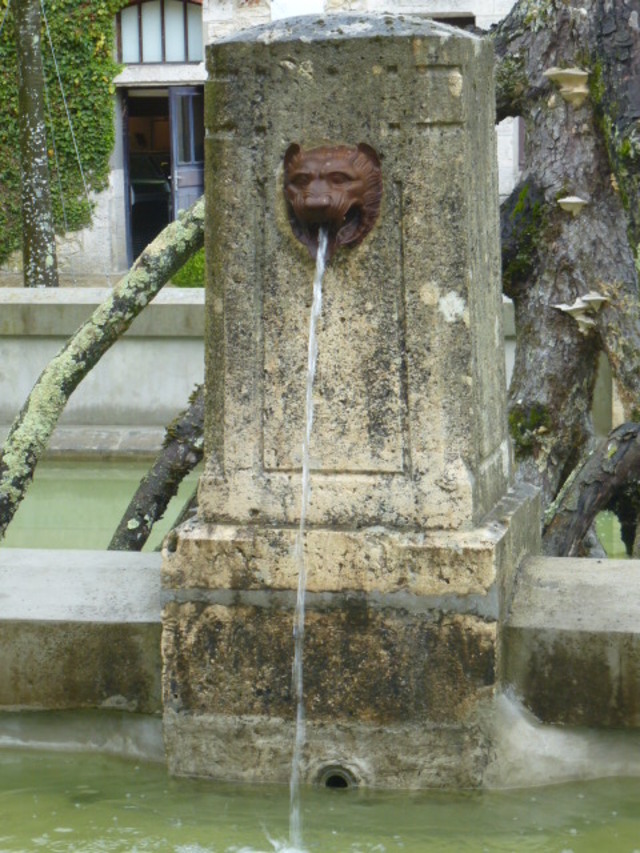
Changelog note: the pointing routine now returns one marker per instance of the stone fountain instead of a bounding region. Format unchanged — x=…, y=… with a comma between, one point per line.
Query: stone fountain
x=414, y=533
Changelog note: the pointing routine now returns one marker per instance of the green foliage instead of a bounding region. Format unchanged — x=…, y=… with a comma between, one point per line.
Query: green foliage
x=527, y=425
x=82, y=32
x=192, y=273
x=511, y=78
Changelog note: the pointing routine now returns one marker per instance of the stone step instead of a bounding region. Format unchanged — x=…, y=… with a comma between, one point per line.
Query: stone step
x=79, y=629
x=571, y=641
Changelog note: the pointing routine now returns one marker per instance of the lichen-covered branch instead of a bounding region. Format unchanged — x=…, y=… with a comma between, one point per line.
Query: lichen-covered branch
x=34, y=425
x=181, y=452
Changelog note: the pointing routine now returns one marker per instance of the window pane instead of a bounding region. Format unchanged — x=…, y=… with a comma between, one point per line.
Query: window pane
x=174, y=31
x=184, y=131
x=130, y=35
x=194, y=26
x=198, y=128
x=151, y=32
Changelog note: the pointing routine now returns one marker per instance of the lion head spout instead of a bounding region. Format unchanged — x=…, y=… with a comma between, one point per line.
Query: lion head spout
x=335, y=187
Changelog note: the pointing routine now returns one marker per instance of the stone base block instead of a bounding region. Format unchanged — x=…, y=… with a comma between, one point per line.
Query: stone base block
x=400, y=648
x=380, y=665
x=442, y=565
x=258, y=748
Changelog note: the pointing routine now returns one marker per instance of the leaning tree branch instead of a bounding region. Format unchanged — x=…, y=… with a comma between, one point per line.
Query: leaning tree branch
x=181, y=452
x=32, y=429
x=609, y=468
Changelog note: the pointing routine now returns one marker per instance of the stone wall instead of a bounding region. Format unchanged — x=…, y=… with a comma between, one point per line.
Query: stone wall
x=137, y=388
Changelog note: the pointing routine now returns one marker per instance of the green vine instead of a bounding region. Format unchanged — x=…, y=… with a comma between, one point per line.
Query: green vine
x=82, y=32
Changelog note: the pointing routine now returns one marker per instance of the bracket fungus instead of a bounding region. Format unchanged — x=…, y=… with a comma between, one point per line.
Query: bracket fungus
x=573, y=204
x=583, y=310
x=572, y=82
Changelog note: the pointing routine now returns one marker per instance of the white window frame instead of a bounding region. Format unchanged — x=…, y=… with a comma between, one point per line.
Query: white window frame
x=153, y=13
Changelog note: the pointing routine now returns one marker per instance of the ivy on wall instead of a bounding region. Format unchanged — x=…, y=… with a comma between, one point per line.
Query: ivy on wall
x=83, y=33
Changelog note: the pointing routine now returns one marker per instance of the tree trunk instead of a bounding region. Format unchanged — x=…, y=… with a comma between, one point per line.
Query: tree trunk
x=551, y=257
x=32, y=428
x=181, y=452
x=38, y=235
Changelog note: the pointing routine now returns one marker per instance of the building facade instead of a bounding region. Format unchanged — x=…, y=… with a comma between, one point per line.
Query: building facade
x=158, y=159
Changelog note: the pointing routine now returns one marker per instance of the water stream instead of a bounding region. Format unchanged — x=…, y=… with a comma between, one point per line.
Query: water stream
x=295, y=813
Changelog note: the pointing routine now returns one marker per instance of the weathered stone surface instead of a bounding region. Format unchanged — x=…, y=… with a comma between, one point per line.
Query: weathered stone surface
x=570, y=644
x=411, y=539
x=80, y=629
x=409, y=401
x=403, y=755
x=372, y=560
x=361, y=662
x=79, y=665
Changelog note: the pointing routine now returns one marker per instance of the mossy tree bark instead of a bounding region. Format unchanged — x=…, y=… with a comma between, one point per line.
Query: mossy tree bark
x=38, y=236
x=552, y=258
x=32, y=429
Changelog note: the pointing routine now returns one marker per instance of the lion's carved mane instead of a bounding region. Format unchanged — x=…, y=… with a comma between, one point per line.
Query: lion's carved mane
x=335, y=187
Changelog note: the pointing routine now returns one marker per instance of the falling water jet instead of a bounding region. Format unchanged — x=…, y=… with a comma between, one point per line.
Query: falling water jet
x=295, y=818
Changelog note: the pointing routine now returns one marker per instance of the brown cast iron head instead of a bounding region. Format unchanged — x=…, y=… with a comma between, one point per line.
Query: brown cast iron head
x=338, y=187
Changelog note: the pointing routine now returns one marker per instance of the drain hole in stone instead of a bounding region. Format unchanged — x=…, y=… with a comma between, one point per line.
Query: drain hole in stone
x=337, y=777
x=336, y=780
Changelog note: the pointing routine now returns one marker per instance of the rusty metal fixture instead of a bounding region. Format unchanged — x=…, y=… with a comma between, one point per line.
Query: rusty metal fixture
x=337, y=187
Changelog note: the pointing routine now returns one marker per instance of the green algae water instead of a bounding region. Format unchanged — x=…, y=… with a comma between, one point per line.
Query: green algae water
x=85, y=803
x=78, y=504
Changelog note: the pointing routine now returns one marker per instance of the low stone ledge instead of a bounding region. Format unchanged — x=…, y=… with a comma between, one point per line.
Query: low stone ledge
x=79, y=629
x=571, y=641
x=52, y=312
x=100, y=442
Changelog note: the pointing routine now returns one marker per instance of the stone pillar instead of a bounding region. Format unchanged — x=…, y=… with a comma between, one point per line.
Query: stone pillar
x=412, y=536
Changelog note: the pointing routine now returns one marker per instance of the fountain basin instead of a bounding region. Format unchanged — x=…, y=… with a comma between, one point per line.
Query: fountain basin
x=94, y=803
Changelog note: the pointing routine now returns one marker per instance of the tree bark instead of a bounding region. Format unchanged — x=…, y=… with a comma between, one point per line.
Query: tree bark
x=552, y=258
x=32, y=428
x=181, y=452
x=38, y=235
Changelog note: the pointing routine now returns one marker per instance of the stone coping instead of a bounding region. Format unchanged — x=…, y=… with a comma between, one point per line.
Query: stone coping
x=52, y=312
x=105, y=442
x=574, y=594
x=79, y=586
x=346, y=26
